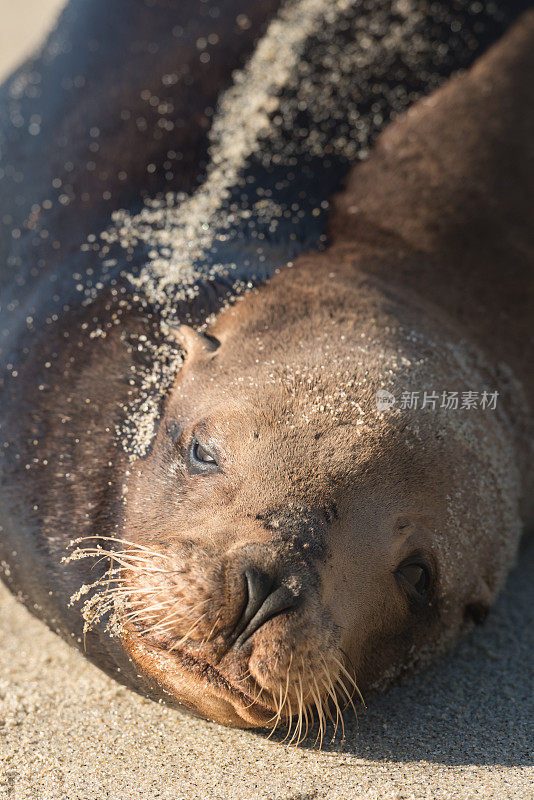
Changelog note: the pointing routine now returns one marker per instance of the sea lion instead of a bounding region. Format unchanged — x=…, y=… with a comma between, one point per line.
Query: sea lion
x=272, y=539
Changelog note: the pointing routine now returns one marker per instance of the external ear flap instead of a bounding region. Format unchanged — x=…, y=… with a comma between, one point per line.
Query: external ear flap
x=194, y=342
x=477, y=610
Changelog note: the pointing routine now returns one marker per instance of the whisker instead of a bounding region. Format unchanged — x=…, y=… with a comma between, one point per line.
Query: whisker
x=209, y=635
x=170, y=617
x=255, y=700
x=189, y=632
x=307, y=719
x=320, y=712
x=276, y=717
x=332, y=693
x=350, y=678
x=134, y=545
x=298, y=723
x=290, y=721
x=143, y=611
x=287, y=678
x=348, y=695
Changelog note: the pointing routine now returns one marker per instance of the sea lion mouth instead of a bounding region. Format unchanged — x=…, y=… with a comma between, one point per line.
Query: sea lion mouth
x=216, y=678
x=186, y=676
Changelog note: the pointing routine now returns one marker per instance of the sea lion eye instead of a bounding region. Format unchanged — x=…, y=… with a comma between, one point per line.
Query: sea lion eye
x=415, y=578
x=202, y=457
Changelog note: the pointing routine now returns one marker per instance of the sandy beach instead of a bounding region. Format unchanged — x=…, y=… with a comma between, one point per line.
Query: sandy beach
x=461, y=730
x=23, y=26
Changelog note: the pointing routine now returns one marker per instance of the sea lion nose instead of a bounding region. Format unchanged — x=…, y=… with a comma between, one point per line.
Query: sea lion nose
x=265, y=600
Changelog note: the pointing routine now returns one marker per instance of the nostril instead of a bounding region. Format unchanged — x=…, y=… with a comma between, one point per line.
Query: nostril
x=263, y=604
x=258, y=586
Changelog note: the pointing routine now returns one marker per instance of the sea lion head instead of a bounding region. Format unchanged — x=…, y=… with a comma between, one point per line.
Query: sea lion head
x=293, y=543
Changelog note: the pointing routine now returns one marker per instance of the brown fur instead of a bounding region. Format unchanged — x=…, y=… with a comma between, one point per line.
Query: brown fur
x=427, y=285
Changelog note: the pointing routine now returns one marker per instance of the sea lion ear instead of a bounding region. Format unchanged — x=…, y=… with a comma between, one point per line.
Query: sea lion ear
x=477, y=610
x=194, y=342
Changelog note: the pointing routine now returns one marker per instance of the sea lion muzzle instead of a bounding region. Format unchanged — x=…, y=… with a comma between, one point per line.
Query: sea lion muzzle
x=258, y=632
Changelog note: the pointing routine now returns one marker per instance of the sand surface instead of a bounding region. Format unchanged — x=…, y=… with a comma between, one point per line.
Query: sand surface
x=463, y=729
x=23, y=24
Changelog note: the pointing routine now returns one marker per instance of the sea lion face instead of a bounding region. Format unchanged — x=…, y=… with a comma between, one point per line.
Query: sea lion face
x=292, y=543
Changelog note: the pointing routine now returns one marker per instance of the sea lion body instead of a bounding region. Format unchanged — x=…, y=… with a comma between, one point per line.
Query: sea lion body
x=289, y=535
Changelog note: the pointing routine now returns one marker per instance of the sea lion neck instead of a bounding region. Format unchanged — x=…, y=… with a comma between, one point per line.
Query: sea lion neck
x=439, y=208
